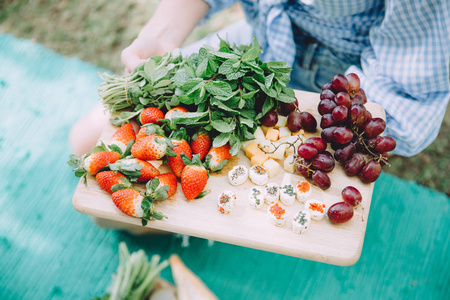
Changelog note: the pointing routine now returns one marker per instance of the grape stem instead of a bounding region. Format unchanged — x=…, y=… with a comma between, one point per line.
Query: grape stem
x=299, y=137
x=374, y=156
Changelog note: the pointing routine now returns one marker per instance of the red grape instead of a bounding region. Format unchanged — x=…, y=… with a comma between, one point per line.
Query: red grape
x=362, y=94
x=321, y=179
x=353, y=82
x=342, y=135
x=340, y=113
x=355, y=164
x=385, y=144
x=327, y=133
x=344, y=154
x=374, y=127
x=327, y=121
x=343, y=98
x=340, y=212
x=307, y=151
x=287, y=108
x=303, y=168
x=327, y=86
x=326, y=106
x=323, y=162
x=357, y=114
x=294, y=121
x=327, y=94
x=319, y=143
x=309, y=123
x=358, y=100
x=370, y=172
x=351, y=195
x=269, y=119
x=339, y=83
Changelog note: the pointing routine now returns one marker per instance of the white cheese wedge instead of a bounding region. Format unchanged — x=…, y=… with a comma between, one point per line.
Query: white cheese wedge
x=259, y=135
x=271, y=193
x=256, y=197
x=275, y=214
x=301, y=221
x=284, y=132
x=303, y=190
x=272, y=167
x=226, y=201
x=282, y=122
x=287, y=194
x=258, y=175
x=288, y=164
x=238, y=175
x=273, y=149
x=316, y=208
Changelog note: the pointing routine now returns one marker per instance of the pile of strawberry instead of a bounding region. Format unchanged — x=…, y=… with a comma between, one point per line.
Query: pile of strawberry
x=126, y=160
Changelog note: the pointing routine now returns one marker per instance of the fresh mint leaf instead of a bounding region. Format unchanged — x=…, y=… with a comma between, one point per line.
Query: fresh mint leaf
x=223, y=126
x=225, y=55
x=221, y=139
x=227, y=67
x=192, y=85
x=254, y=52
x=219, y=88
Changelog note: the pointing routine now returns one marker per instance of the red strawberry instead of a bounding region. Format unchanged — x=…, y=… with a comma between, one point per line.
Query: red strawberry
x=218, y=157
x=151, y=115
x=176, y=163
x=94, y=162
x=135, y=169
x=180, y=109
x=193, y=178
x=201, y=143
x=168, y=179
x=150, y=147
x=132, y=203
x=141, y=133
x=107, y=179
x=123, y=136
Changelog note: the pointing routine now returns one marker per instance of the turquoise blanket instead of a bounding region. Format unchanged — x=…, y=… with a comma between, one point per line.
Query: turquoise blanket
x=50, y=251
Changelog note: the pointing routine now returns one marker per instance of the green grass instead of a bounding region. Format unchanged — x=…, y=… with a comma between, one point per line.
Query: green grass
x=97, y=31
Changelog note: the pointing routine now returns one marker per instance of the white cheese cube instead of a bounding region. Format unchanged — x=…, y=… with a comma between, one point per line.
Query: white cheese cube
x=303, y=190
x=259, y=135
x=282, y=121
x=272, y=167
x=273, y=149
x=288, y=164
x=287, y=194
x=258, y=175
x=284, y=132
x=301, y=221
x=275, y=214
x=256, y=197
x=265, y=129
x=271, y=193
x=316, y=208
x=238, y=175
x=296, y=141
x=226, y=201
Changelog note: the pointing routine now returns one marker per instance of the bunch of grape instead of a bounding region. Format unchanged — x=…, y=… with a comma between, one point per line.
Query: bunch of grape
x=351, y=130
x=313, y=161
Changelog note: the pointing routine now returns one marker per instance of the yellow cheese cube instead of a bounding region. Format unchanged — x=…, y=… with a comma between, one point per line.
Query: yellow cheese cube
x=245, y=144
x=258, y=159
x=284, y=132
x=265, y=129
x=272, y=134
x=288, y=164
x=273, y=167
x=252, y=150
x=282, y=121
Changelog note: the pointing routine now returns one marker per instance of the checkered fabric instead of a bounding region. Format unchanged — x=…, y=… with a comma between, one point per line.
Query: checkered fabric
x=404, y=47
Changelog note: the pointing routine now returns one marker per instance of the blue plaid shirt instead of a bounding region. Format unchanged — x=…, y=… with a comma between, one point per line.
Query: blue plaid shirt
x=404, y=47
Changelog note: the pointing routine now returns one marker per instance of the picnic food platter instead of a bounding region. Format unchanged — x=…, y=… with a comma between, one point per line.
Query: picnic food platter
x=338, y=244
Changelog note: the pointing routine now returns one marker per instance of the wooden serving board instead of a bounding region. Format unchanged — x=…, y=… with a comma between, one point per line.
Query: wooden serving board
x=324, y=242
